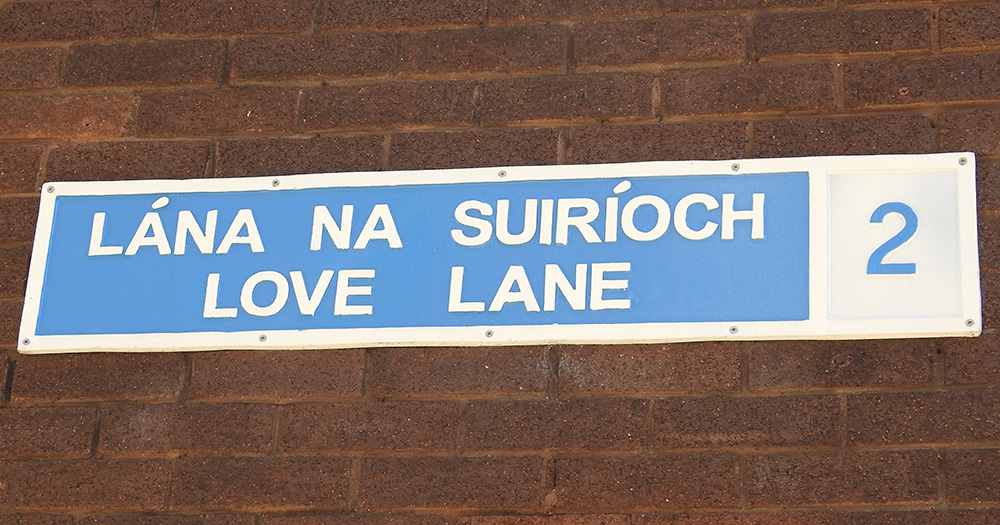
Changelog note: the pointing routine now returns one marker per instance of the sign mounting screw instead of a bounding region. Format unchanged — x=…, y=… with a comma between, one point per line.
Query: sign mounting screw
x=736, y=166
x=968, y=322
x=262, y=338
x=489, y=333
x=733, y=329
x=275, y=183
x=26, y=341
x=963, y=161
x=50, y=189
x=502, y=174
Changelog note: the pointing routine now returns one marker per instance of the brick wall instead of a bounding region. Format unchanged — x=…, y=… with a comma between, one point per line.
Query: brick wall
x=831, y=433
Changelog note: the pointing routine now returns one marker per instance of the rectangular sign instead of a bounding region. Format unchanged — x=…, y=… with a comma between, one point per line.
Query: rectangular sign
x=832, y=247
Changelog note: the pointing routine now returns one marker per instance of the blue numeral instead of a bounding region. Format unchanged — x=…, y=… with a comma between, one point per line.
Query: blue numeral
x=875, y=264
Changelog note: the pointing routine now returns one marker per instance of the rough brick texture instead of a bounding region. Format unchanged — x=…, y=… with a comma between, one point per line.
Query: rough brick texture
x=874, y=432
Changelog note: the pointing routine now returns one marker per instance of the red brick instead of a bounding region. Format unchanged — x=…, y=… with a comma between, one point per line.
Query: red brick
x=260, y=484
x=763, y=87
x=136, y=430
x=64, y=116
x=216, y=111
x=259, y=157
x=924, y=517
x=131, y=160
x=970, y=130
x=388, y=105
x=990, y=283
x=75, y=20
x=967, y=416
x=493, y=49
x=672, y=141
x=470, y=149
x=988, y=185
x=854, y=135
x=376, y=14
x=19, y=166
x=842, y=477
x=57, y=432
x=29, y=68
x=354, y=519
x=662, y=481
x=973, y=360
x=476, y=371
x=36, y=520
x=842, y=31
x=524, y=10
x=17, y=218
x=746, y=518
x=976, y=25
x=989, y=243
x=934, y=79
x=680, y=39
x=172, y=519
x=564, y=519
x=174, y=62
x=275, y=376
x=312, y=56
x=826, y=364
x=972, y=476
x=197, y=17
x=10, y=320
x=462, y=482
x=649, y=368
x=578, y=424
x=14, y=269
x=4, y=361
x=746, y=421
x=78, y=485
x=368, y=426
x=705, y=5
x=98, y=377
x=594, y=96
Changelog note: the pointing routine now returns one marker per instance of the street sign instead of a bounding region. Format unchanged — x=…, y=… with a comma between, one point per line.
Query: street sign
x=806, y=248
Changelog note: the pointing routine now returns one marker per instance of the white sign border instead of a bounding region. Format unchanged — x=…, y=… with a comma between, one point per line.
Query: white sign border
x=818, y=326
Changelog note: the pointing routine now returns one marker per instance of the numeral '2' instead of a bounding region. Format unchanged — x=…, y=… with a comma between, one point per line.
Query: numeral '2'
x=875, y=264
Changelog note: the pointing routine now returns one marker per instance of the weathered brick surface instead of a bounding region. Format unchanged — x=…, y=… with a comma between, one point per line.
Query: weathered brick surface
x=528, y=10
x=470, y=149
x=989, y=248
x=173, y=519
x=64, y=116
x=75, y=19
x=316, y=56
x=990, y=284
x=194, y=17
x=263, y=483
x=746, y=518
x=581, y=424
x=911, y=81
x=973, y=130
x=34, y=519
x=699, y=5
x=420, y=104
x=594, y=96
x=145, y=430
x=506, y=482
x=746, y=421
x=672, y=141
x=494, y=49
x=681, y=39
x=366, y=426
x=280, y=156
x=816, y=364
x=973, y=360
x=854, y=135
x=988, y=185
x=842, y=477
x=29, y=68
x=972, y=26
x=354, y=519
x=923, y=517
x=649, y=368
x=14, y=269
x=655, y=482
x=843, y=31
x=54, y=432
x=276, y=375
x=19, y=167
x=10, y=320
x=171, y=62
x=564, y=519
x=17, y=218
x=469, y=371
x=740, y=89
x=345, y=14
x=215, y=111
x=972, y=476
x=924, y=417
x=128, y=160
x=96, y=484
x=98, y=377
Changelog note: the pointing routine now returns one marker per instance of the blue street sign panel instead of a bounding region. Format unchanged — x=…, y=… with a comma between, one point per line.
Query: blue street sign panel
x=636, y=252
